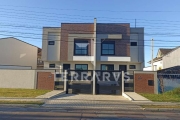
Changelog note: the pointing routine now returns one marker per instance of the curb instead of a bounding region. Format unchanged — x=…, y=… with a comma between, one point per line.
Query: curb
x=161, y=109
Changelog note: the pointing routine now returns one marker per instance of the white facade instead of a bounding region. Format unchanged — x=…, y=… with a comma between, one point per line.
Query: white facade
x=172, y=59
x=16, y=54
x=158, y=65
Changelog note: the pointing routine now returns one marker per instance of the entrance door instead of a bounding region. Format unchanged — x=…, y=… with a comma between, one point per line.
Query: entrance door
x=66, y=66
x=123, y=68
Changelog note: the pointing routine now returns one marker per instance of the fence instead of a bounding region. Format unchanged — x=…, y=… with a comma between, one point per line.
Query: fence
x=28, y=79
x=167, y=82
x=168, y=79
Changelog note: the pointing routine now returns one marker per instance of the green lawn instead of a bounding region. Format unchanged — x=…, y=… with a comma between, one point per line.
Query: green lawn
x=7, y=92
x=170, y=96
x=21, y=102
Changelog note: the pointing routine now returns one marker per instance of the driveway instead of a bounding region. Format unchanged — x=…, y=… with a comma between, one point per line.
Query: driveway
x=81, y=101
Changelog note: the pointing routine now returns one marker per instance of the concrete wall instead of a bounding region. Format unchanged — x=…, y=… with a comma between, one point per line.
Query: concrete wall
x=27, y=79
x=51, y=52
x=137, y=52
x=17, y=79
x=14, y=52
x=172, y=59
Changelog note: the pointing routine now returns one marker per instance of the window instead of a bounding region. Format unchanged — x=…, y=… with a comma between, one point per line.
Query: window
x=133, y=43
x=51, y=65
x=58, y=75
x=81, y=47
x=132, y=66
x=107, y=67
x=81, y=67
x=151, y=82
x=108, y=48
x=50, y=42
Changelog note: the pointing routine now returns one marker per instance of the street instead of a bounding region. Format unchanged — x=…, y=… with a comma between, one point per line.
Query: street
x=14, y=112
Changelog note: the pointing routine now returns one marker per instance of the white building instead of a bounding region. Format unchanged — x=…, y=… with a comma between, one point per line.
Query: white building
x=158, y=61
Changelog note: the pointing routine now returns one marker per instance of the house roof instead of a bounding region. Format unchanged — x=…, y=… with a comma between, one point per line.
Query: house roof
x=162, y=52
x=165, y=51
x=19, y=40
x=171, y=70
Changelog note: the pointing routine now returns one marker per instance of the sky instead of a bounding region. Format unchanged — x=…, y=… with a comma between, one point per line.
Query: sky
x=24, y=19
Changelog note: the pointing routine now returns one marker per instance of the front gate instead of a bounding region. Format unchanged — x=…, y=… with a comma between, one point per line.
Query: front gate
x=79, y=81
x=108, y=82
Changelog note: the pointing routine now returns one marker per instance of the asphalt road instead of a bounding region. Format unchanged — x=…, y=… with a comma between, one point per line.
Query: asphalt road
x=14, y=112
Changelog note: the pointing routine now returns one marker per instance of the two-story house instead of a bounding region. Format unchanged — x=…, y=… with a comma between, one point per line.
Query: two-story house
x=93, y=46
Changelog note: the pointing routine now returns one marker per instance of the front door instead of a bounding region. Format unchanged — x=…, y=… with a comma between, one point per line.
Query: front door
x=123, y=68
x=66, y=67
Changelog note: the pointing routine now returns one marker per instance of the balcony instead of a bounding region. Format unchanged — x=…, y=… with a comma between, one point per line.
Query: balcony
x=83, y=58
x=115, y=58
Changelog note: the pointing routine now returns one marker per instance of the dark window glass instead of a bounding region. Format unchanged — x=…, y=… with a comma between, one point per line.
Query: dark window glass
x=58, y=75
x=151, y=82
x=51, y=65
x=132, y=66
x=107, y=67
x=81, y=67
x=50, y=42
x=80, y=47
x=133, y=43
x=108, y=48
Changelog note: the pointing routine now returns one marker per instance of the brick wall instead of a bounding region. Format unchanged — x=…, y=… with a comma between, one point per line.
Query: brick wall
x=45, y=80
x=141, y=82
x=72, y=28
x=122, y=47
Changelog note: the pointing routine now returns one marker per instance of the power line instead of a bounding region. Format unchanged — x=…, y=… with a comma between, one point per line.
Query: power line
x=39, y=27
x=94, y=10
x=86, y=16
x=73, y=41
x=54, y=20
x=75, y=36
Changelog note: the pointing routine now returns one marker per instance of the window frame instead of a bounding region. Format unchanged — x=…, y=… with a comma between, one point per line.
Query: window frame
x=107, y=65
x=134, y=45
x=107, y=42
x=50, y=42
x=81, y=41
x=81, y=64
x=132, y=68
x=52, y=64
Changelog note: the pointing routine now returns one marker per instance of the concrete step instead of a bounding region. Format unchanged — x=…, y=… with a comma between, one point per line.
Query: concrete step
x=136, y=97
x=51, y=94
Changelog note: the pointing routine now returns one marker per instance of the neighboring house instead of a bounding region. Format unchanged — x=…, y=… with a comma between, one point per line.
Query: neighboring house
x=17, y=54
x=93, y=46
x=158, y=61
x=40, y=64
x=172, y=58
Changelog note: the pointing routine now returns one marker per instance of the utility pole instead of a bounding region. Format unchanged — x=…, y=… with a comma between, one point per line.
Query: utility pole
x=152, y=45
x=135, y=23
